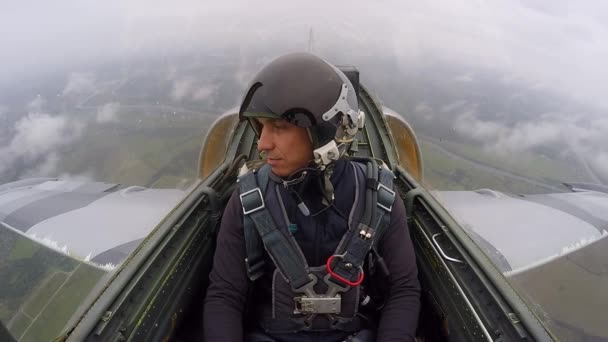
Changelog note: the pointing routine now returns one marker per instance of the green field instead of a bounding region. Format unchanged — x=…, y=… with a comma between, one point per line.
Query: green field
x=146, y=148
x=444, y=172
x=523, y=163
x=23, y=249
x=46, y=291
x=51, y=321
x=40, y=288
x=20, y=323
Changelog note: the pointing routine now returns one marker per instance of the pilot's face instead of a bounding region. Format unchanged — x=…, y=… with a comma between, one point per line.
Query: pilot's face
x=287, y=147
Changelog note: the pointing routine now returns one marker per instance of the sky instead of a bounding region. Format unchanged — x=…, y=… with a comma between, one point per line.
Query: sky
x=557, y=46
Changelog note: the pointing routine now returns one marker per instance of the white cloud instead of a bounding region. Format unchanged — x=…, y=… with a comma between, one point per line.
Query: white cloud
x=88, y=176
x=181, y=89
x=37, y=134
x=586, y=139
x=522, y=136
x=35, y=144
x=468, y=125
x=203, y=93
x=37, y=104
x=558, y=44
x=108, y=112
x=46, y=167
x=187, y=88
x=80, y=83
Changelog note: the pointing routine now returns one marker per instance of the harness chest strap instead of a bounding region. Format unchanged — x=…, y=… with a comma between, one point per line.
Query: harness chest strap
x=261, y=233
x=259, y=223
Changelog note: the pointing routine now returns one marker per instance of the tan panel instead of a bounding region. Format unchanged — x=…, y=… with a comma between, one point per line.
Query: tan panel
x=215, y=144
x=407, y=147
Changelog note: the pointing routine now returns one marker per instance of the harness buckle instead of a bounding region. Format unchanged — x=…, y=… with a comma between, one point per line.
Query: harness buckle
x=340, y=278
x=252, y=201
x=386, y=197
x=318, y=305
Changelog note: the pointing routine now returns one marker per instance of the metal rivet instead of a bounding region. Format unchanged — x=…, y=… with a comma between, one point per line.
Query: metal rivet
x=513, y=317
x=106, y=316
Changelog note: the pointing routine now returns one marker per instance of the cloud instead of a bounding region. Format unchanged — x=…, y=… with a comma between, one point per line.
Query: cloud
x=181, y=88
x=36, y=104
x=584, y=139
x=203, y=93
x=45, y=167
x=40, y=133
x=562, y=49
x=559, y=44
x=80, y=83
x=425, y=111
x=189, y=89
x=503, y=138
x=87, y=176
x=33, y=150
x=108, y=112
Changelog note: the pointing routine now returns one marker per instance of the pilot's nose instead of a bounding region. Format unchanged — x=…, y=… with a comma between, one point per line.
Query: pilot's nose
x=265, y=143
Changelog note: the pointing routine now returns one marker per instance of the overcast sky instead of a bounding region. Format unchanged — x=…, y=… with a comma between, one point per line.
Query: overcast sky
x=558, y=43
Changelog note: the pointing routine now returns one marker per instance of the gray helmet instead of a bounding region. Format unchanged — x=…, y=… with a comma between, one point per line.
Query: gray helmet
x=308, y=92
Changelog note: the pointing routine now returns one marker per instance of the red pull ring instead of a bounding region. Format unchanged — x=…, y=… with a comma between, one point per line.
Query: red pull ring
x=342, y=279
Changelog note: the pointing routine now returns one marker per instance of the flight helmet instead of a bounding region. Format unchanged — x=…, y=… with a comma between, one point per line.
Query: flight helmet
x=308, y=92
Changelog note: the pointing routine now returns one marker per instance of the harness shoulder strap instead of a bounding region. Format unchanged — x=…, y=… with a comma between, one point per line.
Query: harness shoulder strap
x=254, y=248
x=261, y=224
x=379, y=202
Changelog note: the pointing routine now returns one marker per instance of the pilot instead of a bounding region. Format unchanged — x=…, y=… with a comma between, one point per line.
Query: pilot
x=313, y=244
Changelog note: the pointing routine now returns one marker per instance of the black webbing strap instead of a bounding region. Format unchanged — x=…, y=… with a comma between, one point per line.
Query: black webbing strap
x=287, y=260
x=364, y=237
x=254, y=247
x=384, y=205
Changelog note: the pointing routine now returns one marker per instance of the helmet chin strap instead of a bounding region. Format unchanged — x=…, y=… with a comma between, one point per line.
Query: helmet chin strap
x=325, y=155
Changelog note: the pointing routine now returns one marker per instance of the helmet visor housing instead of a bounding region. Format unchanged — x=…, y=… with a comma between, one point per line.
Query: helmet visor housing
x=304, y=90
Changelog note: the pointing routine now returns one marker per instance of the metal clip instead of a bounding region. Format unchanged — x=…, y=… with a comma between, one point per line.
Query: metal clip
x=366, y=234
x=318, y=305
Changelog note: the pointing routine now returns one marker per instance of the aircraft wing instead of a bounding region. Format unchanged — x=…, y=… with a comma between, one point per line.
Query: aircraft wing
x=94, y=221
x=535, y=240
